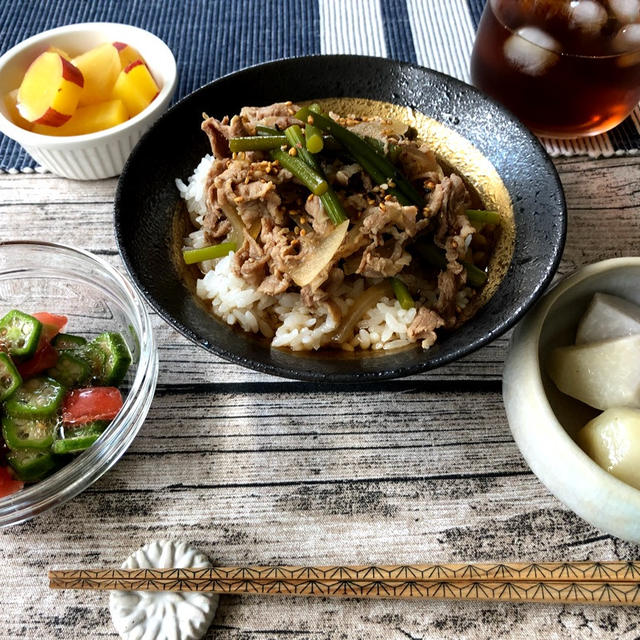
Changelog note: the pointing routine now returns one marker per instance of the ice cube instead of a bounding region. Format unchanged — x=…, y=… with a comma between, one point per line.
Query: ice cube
x=627, y=39
x=531, y=50
x=587, y=16
x=626, y=10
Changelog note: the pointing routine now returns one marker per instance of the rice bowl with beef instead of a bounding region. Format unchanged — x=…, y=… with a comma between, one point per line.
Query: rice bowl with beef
x=349, y=303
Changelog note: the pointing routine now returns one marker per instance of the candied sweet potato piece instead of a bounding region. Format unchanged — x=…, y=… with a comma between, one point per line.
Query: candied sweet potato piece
x=11, y=105
x=100, y=67
x=127, y=54
x=136, y=87
x=89, y=119
x=50, y=90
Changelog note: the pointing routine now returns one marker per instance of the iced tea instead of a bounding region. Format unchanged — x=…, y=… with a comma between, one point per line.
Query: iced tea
x=565, y=68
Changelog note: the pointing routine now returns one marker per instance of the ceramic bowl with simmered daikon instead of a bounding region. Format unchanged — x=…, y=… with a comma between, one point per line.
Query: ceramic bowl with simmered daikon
x=571, y=390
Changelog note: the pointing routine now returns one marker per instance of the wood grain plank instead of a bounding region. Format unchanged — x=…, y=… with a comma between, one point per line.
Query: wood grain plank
x=303, y=478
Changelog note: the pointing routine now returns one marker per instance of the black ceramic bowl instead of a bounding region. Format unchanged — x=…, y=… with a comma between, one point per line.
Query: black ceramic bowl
x=147, y=202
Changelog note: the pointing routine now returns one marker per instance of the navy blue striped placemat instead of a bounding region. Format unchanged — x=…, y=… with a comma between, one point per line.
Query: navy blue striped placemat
x=210, y=38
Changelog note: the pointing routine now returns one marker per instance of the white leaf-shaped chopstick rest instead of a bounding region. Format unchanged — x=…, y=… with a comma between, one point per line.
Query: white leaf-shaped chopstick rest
x=163, y=615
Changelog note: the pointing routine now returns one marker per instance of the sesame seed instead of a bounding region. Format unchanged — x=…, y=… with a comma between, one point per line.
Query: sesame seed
x=392, y=183
x=303, y=232
x=238, y=199
x=293, y=151
x=310, y=119
x=384, y=186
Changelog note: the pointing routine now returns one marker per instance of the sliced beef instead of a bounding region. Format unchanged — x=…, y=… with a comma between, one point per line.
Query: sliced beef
x=424, y=326
x=456, y=244
x=383, y=232
x=249, y=187
x=250, y=262
x=419, y=163
x=279, y=243
x=215, y=224
x=280, y=115
x=451, y=198
x=317, y=216
x=381, y=262
x=220, y=132
x=449, y=283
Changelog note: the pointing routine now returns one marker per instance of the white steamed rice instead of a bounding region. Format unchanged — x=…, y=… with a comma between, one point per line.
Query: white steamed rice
x=298, y=327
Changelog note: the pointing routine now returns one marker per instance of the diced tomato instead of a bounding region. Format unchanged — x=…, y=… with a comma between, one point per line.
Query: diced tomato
x=59, y=322
x=44, y=358
x=91, y=403
x=52, y=325
x=8, y=484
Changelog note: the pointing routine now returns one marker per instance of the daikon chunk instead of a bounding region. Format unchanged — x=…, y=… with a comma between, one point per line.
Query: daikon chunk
x=601, y=374
x=608, y=317
x=613, y=441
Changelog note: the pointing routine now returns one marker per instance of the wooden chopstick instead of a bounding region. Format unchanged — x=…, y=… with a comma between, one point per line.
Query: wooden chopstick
x=612, y=583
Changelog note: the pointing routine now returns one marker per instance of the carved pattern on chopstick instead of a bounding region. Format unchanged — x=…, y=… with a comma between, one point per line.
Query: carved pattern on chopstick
x=524, y=591
x=580, y=582
x=594, y=571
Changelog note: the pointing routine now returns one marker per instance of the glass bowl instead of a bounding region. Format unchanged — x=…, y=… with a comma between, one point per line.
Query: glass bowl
x=40, y=276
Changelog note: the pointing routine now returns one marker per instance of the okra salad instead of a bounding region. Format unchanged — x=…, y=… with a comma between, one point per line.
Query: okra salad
x=58, y=393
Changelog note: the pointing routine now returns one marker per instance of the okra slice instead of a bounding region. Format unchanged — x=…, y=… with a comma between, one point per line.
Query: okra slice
x=95, y=358
x=66, y=341
x=77, y=439
x=70, y=370
x=19, y=334
x=28, y=433
x=10, y=379
x=31, y=465
x=36, y=398
x=117, y=358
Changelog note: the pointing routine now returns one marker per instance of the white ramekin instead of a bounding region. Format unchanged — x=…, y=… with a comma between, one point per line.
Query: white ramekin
x=95, y=155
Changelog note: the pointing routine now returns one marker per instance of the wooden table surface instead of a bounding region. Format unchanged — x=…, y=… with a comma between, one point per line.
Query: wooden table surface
x=256, y=469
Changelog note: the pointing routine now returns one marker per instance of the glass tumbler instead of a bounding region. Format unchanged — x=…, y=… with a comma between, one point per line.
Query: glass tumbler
x=566, y=68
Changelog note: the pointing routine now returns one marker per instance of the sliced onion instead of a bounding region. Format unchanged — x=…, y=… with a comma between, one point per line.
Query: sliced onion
x=317, y=252
x=367, y=299
x=378, y=129
x=237, y=226
x=256, y=227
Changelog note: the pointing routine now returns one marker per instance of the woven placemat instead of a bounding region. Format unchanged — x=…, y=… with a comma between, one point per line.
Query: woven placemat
x=210, y=38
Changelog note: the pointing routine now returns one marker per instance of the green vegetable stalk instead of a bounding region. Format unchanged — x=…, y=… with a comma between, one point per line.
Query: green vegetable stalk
x=191, y=256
